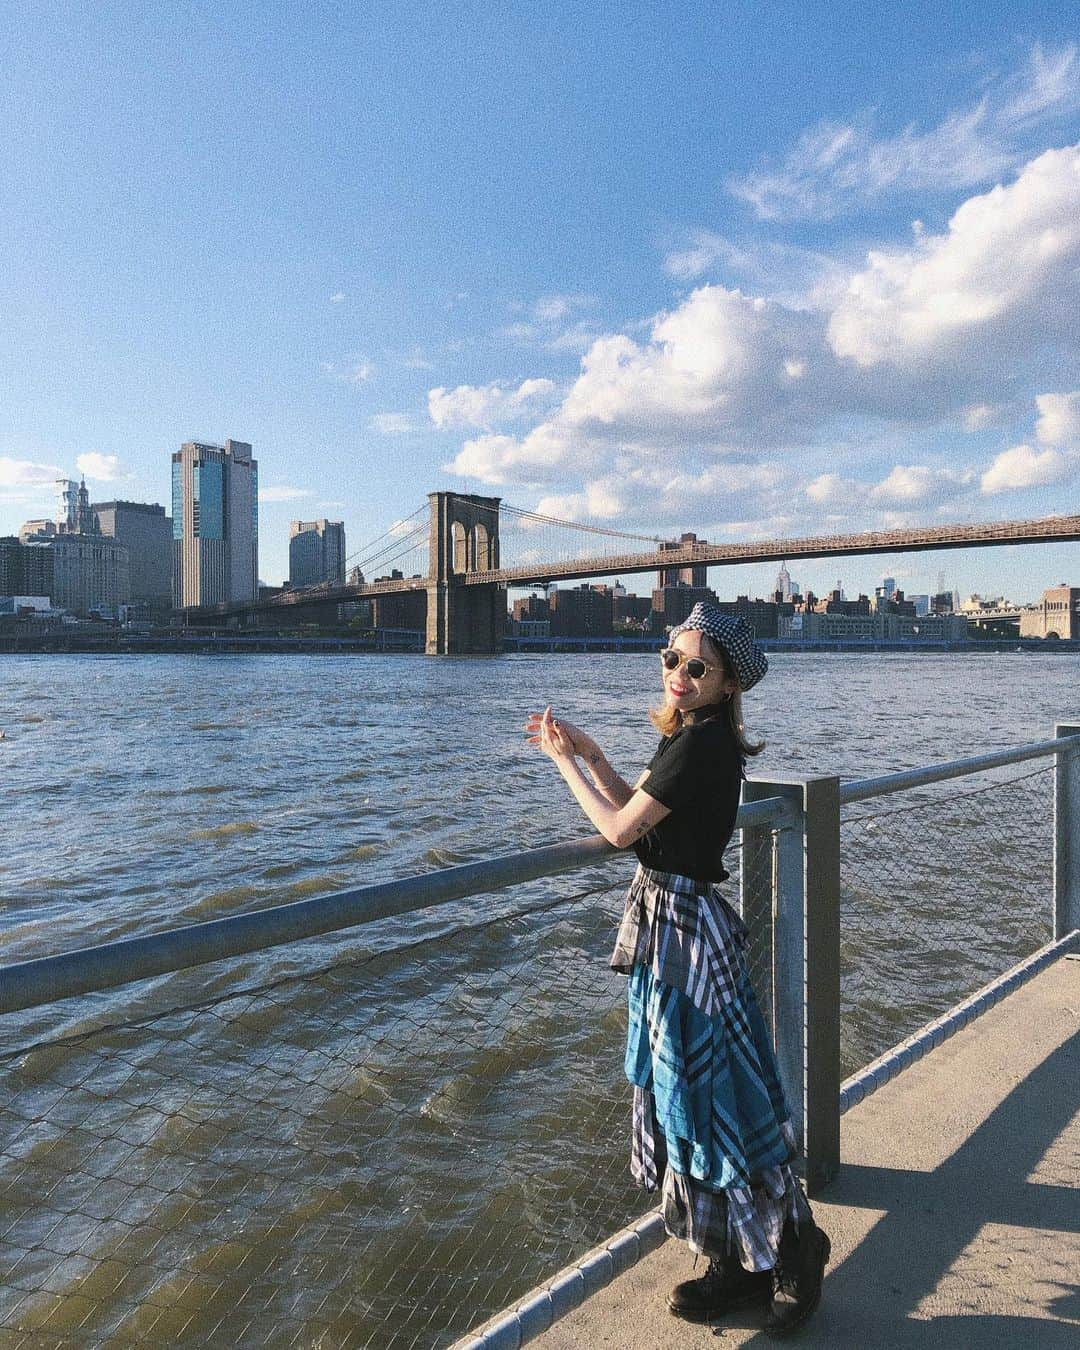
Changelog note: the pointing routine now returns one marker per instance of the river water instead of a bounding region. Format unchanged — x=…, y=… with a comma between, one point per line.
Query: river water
x=248, y=1183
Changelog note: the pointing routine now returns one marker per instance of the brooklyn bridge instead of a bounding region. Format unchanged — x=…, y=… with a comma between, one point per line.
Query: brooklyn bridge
x=463, y=551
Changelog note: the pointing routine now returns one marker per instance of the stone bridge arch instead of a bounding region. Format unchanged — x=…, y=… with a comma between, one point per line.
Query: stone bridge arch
x=464, y=537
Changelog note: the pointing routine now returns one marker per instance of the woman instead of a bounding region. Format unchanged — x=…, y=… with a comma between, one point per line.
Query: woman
x=711, y=1127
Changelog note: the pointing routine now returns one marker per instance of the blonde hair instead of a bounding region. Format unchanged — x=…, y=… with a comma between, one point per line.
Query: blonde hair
x=668, y=720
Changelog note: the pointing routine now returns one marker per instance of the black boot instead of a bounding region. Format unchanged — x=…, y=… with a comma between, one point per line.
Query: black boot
x=725, y=1285
x=797, y=1277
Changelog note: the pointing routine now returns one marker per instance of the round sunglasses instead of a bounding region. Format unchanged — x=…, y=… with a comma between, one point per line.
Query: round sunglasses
x=671, y=659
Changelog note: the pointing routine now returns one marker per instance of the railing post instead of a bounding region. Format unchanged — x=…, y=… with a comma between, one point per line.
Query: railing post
x=771, y=892
x=756, y=900
x=1066, y=834
x=801, y=898
x=821, y=898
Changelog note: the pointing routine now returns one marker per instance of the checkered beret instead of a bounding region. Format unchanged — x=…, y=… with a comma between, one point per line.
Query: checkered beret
x=734, y=635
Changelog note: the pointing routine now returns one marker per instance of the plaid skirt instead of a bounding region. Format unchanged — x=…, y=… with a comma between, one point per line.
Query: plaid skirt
x=711, y=1127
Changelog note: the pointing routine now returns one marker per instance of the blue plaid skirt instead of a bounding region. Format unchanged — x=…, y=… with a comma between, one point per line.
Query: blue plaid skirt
x=711, y=1125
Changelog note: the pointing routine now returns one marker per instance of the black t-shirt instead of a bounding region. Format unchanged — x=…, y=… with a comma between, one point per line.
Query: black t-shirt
x=698, y=773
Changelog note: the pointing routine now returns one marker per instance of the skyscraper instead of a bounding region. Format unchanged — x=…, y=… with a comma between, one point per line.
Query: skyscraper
x=215, y=496
x=316, y=552
x=75, y=515
x=146, y=532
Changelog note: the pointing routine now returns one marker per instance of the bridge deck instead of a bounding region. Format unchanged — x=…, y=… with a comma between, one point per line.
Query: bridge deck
x=955, y=1221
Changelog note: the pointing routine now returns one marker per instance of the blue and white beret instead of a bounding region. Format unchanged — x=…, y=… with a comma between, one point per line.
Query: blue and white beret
x=734, y=635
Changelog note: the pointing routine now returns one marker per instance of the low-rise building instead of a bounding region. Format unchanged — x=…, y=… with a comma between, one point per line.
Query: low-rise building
x=819, y=626
x=685, y=574
x=761, y=615
x=531, y=609
x=1057, y=615
x=25, y=604
x=581, y=611
x=671, y=605
x=536, y=628
x=89, y=572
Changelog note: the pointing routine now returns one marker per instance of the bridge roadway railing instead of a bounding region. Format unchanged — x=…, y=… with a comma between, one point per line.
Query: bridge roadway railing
x=773, y=550
x=387, y=1147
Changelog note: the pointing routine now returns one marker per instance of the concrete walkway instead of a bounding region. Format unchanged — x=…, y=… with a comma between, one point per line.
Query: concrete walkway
x=955, y=1222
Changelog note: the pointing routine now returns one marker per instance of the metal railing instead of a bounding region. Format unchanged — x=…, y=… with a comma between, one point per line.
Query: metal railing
x=386, y=1149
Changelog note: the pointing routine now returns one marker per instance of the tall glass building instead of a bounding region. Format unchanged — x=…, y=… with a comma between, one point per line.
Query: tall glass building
x=215, y=514
x=316, y=552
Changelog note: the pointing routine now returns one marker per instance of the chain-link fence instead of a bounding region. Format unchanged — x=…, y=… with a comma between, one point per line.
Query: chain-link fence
x=380, y=1153
x=387, y=1149
x=942, y=889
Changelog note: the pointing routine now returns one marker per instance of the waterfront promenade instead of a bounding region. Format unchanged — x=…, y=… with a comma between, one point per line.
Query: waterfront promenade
x=955, y=1220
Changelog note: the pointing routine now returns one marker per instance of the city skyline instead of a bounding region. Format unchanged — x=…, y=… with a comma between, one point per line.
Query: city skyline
x=325, y=554
x=747, y=277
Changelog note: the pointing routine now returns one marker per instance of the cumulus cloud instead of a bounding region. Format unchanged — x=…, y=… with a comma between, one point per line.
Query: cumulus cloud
x=1058, y=422
x=669, y=494
x=1004, y=278
x=498, y=459
x=103, y=468
x=830, y=488
x=980, y=416
x=919, y=483
x=284, y=494
x=337, y=298
x=836, y=164
x=953, y=331
x=1024, y=467
x=25, y=473
x=486, y=406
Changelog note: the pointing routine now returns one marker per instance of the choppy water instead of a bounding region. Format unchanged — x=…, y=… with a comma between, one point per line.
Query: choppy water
x=140, y=793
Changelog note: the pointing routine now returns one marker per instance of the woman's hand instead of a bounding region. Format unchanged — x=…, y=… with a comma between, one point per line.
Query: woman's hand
x=580, y=741
x=553, y=740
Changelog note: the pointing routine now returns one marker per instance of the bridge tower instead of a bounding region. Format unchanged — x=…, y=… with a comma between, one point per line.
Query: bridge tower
x=464, y=537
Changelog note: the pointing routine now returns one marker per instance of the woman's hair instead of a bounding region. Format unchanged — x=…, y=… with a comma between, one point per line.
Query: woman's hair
x=668, y=720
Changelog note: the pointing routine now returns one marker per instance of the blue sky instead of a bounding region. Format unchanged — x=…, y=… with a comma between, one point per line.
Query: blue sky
x=750, y=270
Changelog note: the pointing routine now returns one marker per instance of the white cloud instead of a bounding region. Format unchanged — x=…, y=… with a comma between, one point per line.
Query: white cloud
x=284, y=494
x=834, y=165
x=337, y=298
x=486, y=406
x=356, y=370
x=1058, y=422
x=24, y=472
x=981, y=416
x=392, y=424
x=952, y=332
x=416, y=360
x=1004, y=279
x=546, y=324
x=103, y=468
x=829, y=488
x=703, y=251
x=554, y=308
x=501, y=459
x=918, y=483
x=905, y=484
x=1023, y=467
x=664, y=494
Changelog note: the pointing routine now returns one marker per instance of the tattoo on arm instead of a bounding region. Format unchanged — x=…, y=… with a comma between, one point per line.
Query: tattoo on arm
x=595, y=759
